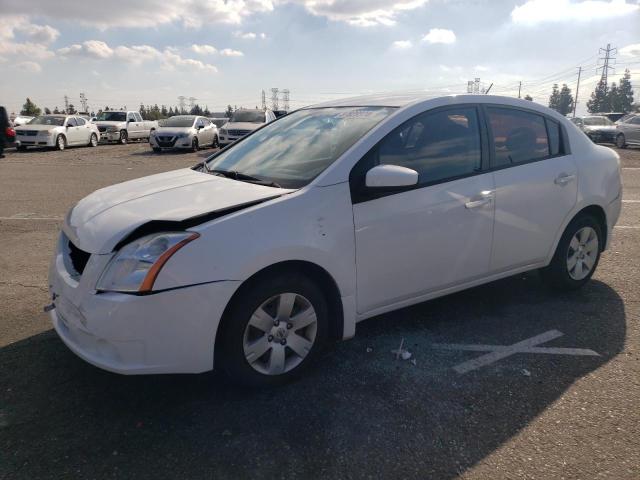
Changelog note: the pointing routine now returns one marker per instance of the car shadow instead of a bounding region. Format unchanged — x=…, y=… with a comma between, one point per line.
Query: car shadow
x=358, y=413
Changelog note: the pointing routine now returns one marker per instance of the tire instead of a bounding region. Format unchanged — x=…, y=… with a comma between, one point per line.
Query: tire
x=582, y=232
x=124, y=137
x=157, y=150
x=279, y=362
x=21, y=148
x=621, y=142
x=215, y=143
x=194, y=144
x=61, y=142
x=93, y=141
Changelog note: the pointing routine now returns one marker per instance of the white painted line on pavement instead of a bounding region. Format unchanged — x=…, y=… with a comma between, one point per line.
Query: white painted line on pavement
x=630, y=168
x=498, y=352
x=630, y=227
x=56, y=219
x=630, y=201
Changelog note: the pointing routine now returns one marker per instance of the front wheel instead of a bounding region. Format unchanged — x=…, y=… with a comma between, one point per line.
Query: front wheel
x=215, y=143
x=61, y=142
x=194, y=144
x=621, y=141
x=157, y=150
x=93, y=141
x=576, y=256
x=124, y=137
x=273, y=330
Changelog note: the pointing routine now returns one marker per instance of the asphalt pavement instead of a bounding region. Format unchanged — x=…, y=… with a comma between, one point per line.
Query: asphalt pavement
x=507, y=380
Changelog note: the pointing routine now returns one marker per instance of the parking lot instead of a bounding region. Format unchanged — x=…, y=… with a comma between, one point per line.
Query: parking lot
x=506, y=380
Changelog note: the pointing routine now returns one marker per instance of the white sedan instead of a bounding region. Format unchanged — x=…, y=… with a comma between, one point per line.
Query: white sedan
x=252, y=260
x=57, y=131
x=189, y=132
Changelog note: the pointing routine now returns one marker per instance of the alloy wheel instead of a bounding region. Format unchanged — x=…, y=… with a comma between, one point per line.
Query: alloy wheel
x=280, y=334
x=582, y=253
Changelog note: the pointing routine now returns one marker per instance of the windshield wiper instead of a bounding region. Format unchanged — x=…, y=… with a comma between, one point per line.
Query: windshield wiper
x=242, y=177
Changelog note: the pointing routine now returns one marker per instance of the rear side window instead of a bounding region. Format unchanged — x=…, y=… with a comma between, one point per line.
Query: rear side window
x=555, y=136
x=439, y=145
x=518, y=136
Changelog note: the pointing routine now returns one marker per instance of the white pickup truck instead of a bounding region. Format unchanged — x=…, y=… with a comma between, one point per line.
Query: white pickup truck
x=121, y=126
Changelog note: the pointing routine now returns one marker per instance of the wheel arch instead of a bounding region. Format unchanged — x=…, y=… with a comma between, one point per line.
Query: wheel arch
x=593, y=209
x=312, y=270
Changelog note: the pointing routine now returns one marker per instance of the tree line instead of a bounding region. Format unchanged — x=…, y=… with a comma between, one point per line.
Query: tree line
x=604, y=99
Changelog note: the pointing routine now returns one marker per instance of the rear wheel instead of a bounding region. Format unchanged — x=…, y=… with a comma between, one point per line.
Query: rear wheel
x=621, y=141
x=93, y=141
x=124, y=137
x=576, y=256
x=272, y=331
x=157, y=150
x=21, y=148
x=61, y=142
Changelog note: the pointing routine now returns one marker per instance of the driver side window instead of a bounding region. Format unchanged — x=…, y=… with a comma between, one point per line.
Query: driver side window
x=131, y=118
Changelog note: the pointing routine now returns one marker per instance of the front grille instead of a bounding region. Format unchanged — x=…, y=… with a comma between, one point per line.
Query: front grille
x=102, y=129
x=28, y=133
x=239, y=133
x=79, y=258
x=165, y=141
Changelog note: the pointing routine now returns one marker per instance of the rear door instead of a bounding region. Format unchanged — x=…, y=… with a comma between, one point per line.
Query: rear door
x=632, y=130
x=133, y=126
x=536, y=185
x=84, y=132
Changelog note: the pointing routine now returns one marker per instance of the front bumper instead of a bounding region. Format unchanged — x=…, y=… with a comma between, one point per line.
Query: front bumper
x=167, y=332
x=109, y=136
x=159, y=141
x=602, y=137
x=35, y=141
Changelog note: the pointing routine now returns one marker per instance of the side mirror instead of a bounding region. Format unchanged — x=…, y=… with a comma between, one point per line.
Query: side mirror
x=391, y=176
x=200, y=127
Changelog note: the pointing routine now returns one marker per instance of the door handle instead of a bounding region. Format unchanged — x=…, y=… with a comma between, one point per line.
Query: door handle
x=481, y=200
x=564, y=179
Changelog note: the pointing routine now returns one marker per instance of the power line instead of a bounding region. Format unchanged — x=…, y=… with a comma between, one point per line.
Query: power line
x=609, y=54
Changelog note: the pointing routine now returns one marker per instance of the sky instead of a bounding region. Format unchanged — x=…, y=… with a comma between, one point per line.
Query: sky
x=126, y=52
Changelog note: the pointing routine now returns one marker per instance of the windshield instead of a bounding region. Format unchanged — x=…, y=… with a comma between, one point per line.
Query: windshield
x=298, y=147
x=112, y=117
x=177, y=122
x=218, y=122
x=48, y=120
x=250, y=116
x=593, y=121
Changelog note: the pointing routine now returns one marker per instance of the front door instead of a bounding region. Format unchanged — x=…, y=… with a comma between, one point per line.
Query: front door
x=432, y=236
x=536, y=186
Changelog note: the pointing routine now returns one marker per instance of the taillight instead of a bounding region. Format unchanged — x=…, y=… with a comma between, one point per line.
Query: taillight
x=10, y=132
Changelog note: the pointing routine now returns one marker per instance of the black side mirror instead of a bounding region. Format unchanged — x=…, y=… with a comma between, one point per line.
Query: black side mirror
x=199, y=127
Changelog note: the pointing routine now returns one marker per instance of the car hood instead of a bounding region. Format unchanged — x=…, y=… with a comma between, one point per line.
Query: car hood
x=242, y=126
x=108, y=123
x=600, y=128
x=101, y=220
x=171, y=131
x=35, y=127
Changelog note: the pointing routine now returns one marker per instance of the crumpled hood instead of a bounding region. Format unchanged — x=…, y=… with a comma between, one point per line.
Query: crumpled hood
x=102, y=219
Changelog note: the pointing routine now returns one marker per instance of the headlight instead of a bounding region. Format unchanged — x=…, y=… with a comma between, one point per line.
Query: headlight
x=136, y=266
x=223, y=131
x=182, y=135
x=45, y=132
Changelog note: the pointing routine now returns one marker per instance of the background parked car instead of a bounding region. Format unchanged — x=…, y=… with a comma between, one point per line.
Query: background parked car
x=57, y=131
x=628, y=131
x=184, y=132
x=243, y=122
x=219, y=121
x=122, y=125
x=597, y=127
x=21, y=120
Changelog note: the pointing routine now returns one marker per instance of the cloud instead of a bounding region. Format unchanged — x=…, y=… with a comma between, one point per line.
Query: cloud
x=172, y=60
x=34, y=39
x=534, y=12
x=249, y=35
x=204, y=49
x=137, y=54
x=481, y=68
x=229, y=52
x=440, y=35
x=31, y=67
x=632, y=50
x=359, y=12
x=38, y=33
x=31, y=50
x=144, y=13
x=402, y=44
x=89, y=49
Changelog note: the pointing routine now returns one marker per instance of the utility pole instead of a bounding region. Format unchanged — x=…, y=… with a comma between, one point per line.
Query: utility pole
x=181, y=102
x=274, y=99
x=285, y=99
x=83, y=102
x=264, y=100
x=609, y=55
x=575, y=102
x=66, y=104
x=519, y=88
